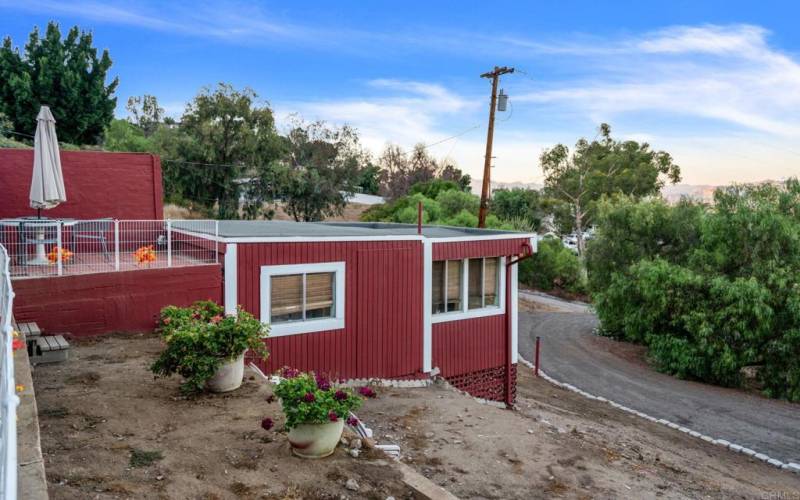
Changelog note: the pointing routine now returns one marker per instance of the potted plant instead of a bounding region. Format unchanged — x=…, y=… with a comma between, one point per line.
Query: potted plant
x=207, y=347
x=315, y=412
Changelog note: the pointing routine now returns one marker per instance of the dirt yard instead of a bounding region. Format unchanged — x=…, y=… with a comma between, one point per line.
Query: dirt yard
x=110, y=431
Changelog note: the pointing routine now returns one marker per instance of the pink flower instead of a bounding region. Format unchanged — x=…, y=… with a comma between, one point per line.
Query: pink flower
x=332, y=416
x=287, y=372
x=167, y=321
x=267, y=424
x=309, y=397
x=340, y=395
x=216, y=319
x=352, y=421
x=367, y=392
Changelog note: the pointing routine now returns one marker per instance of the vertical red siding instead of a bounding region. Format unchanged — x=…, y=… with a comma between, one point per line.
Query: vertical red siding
x=382, y=336
x=481, y=248
x=92, y=304
x=98, y=184
x=469, y=345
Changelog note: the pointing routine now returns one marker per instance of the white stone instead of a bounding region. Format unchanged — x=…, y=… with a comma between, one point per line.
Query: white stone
x=351, y=485
x=776, y=463
x=793, y=467
x=722, y=442
x=748, y=452
x=695, y=434
x=761, y=456
x=735, y=447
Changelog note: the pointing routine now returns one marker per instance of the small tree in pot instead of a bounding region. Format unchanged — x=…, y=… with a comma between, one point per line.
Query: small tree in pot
x=207, y=347
x=315, y=412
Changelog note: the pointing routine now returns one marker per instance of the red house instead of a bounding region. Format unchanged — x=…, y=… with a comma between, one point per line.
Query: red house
x=368, y=300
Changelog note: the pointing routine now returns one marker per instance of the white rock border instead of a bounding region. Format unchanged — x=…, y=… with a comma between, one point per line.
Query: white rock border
x=791, y=466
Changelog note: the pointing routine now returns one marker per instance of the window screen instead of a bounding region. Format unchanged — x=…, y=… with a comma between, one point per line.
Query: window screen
x=298, y=297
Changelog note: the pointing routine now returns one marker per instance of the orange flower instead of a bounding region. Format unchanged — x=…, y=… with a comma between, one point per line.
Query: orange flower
x=145, y=255
x=17, y=344
x=55, y=252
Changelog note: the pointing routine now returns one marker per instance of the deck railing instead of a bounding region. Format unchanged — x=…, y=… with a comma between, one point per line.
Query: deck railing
x=8, y=389
x=49, y=247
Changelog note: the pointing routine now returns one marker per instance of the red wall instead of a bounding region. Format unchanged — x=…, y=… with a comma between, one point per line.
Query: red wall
x=92, y=304
x=117, y=185
x=470, y=345
x=382, y=336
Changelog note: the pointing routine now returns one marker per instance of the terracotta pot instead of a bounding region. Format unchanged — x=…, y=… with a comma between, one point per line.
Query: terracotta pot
x=316, y=440
x=229, y=376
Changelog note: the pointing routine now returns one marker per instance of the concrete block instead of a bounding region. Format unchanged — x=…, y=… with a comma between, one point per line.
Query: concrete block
x=735, y=447
x=707, y=439
x=776, y=463
x=761, y=456
x=695, y=434
x=684, y=429
x=748, y=452
x=793, y=467
x=722, y=442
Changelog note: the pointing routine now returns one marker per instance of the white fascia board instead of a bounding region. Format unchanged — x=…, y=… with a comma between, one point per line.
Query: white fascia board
x=427, y=306
x=514, y=313
x=231, y=271
x=484, y=238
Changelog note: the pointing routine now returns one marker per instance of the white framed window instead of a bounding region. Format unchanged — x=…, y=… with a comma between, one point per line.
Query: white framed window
x=303, y=298
x=467, y=288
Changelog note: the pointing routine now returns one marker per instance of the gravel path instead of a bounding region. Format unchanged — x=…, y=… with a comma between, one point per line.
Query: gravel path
x=616, y=371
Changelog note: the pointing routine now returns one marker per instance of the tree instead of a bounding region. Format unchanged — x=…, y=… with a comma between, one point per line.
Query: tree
x=369, y=179
x=403, y=169
x=518, y=203
x=602, y=168
x=145, y=112
x=452, y=173
x=66, y=75
x=225, y=140
x=122, y=135
x=324, y=164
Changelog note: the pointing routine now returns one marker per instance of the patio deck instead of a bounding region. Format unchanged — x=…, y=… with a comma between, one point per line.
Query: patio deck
x=92, y=263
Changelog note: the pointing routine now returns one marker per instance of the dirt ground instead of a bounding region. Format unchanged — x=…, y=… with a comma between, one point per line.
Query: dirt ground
x=109, y=430
x=105, y=422
x=558, y=444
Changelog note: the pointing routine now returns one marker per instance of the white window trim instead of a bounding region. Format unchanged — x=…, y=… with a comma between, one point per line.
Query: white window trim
x=465, y=312
x=307, y=326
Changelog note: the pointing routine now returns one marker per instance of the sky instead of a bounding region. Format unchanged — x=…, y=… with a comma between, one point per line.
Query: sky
x=716, y=84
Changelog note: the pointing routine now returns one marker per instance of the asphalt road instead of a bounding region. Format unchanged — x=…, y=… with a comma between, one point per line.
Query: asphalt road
x=571, y=353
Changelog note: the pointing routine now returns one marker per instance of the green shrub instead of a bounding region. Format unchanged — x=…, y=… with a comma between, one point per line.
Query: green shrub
x=553, y=266
x=310, y=399
x=710, y=290
x=200, y=338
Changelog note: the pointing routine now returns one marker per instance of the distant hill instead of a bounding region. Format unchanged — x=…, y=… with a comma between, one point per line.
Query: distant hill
x=475, y=185
x=674, y=193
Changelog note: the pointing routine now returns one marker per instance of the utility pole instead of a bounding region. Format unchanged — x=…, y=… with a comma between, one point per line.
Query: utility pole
x=487, y=164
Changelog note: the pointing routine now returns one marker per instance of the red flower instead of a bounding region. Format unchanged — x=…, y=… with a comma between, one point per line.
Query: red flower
x=367, y=392
x=352, y=421
x=323, y=383
x=267, y=424
x=309, y=397
x=17, y=344
x=167, y=321
x=332, y=416
x=340, y=395
x=287, y=372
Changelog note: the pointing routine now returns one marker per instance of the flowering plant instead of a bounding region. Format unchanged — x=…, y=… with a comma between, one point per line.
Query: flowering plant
x=59, y=252
x=200, y=338
x=145, y=255
x=307, y=398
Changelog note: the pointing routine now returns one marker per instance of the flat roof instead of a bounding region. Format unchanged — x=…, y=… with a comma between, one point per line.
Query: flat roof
x=290, y=229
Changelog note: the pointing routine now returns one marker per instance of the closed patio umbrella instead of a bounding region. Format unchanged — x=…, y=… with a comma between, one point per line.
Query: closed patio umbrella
x=47, y=184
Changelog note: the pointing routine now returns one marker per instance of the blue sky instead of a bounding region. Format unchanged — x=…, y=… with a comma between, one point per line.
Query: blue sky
x=717, y=84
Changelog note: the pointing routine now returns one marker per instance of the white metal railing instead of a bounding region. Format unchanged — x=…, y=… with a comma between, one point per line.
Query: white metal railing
x=50, y=247
x=8, y=389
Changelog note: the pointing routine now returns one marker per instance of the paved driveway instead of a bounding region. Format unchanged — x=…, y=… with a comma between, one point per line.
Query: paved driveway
x=572, y=353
